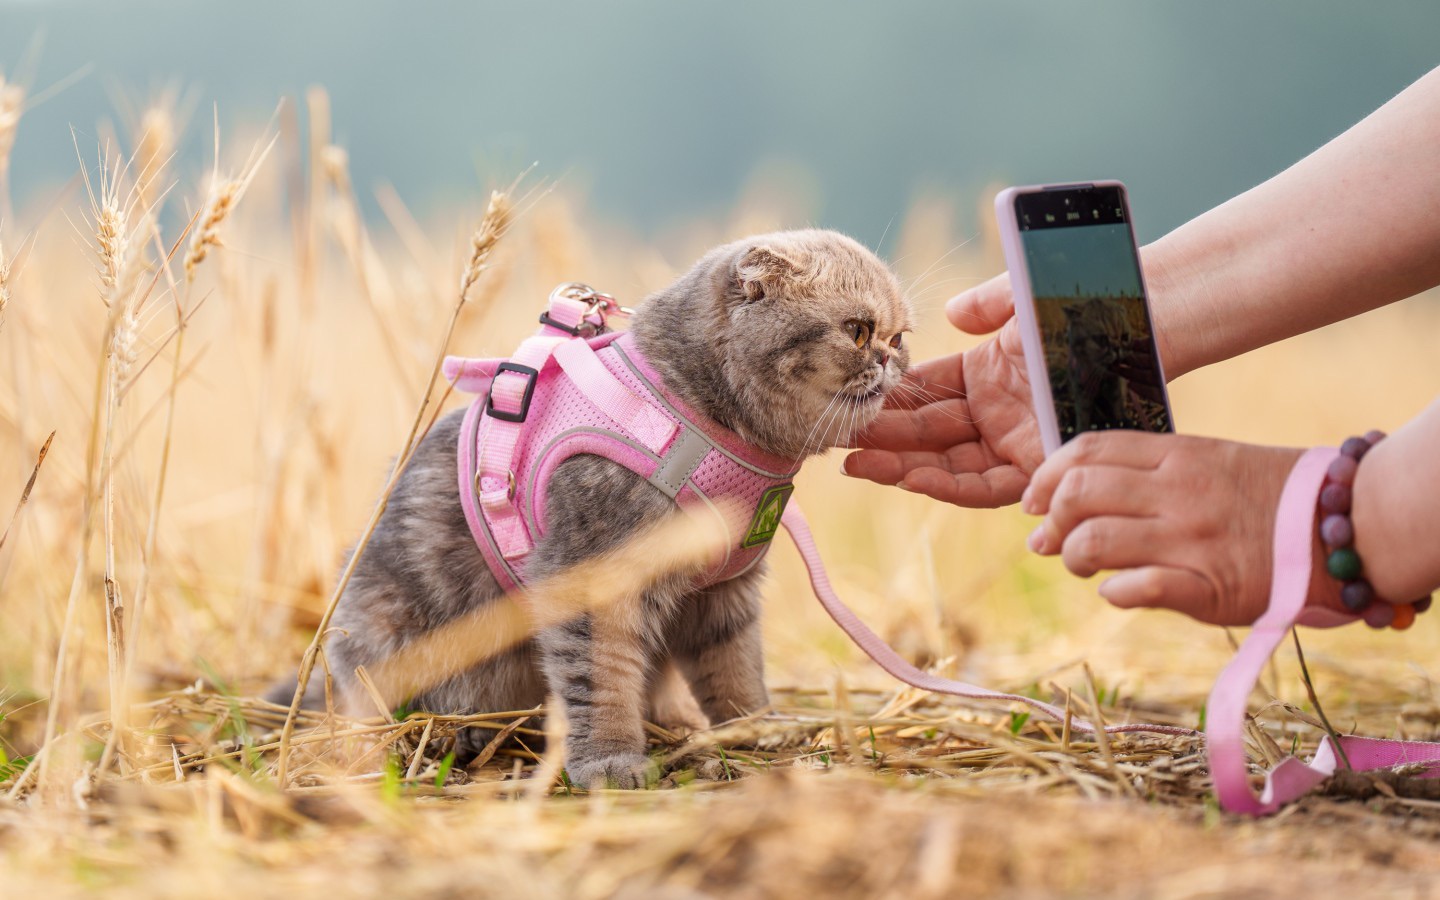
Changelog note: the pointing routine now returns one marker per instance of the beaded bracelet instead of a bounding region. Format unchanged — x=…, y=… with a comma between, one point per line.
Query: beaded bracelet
x=1337, y=533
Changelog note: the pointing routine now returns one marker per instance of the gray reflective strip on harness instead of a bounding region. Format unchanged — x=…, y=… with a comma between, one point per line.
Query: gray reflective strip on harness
x=680, y=461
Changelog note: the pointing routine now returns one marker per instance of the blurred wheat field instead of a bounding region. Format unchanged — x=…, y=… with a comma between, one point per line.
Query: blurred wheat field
x=313, y=332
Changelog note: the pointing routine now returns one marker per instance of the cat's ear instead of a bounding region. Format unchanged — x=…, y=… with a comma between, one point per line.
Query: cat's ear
x=762, y=269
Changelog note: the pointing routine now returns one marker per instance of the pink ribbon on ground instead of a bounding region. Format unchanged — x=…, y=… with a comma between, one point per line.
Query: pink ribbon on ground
x=1226, y=711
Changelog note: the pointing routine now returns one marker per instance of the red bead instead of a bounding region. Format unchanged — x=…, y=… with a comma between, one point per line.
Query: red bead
x=1374, y=436
x=1335, y=498
x=1342, y=470
x=1378, y=614
x=1404, y=617
x=1354, y=448
x=1357, y=594
x=1336, y=531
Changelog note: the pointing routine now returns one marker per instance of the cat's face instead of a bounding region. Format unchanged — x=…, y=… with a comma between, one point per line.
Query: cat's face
x=815, y=336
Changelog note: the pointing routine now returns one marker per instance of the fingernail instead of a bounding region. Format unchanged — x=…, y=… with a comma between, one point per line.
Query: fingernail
x=904, y=487
x=1027, y=506
x=845, y=466
x=1036, y=540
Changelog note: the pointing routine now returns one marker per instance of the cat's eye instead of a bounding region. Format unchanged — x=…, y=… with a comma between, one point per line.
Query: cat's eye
x=897, y=340
x=859, y=332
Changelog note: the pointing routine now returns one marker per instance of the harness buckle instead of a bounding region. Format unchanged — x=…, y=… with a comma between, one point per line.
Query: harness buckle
x=582, y=329
x=531, y=375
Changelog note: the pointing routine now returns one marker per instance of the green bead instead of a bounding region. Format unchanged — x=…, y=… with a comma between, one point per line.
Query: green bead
x=1343, y=564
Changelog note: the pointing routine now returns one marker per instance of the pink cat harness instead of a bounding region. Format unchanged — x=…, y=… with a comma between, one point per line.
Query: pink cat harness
x=577, y=388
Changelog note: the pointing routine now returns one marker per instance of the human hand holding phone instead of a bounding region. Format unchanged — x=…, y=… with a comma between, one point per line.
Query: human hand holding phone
x=966, y=431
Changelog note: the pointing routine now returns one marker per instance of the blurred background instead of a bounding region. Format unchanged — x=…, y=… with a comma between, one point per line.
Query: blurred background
x=659, y=113
x=657, y=130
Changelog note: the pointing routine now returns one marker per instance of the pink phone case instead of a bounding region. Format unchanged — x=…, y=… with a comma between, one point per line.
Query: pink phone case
x=1025, y=306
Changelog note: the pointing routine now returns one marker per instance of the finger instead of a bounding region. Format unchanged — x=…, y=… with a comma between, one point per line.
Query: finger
x=890, y=467
x=1133, y=449
x=994, y=487
x=934, y=427
x=1114, y=542
x=886, y=466
x=982, y=309
x=1166, y=588
x=1087, y=492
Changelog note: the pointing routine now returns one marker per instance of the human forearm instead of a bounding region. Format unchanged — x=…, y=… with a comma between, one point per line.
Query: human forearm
x=1349, y=228
x=1396, y=510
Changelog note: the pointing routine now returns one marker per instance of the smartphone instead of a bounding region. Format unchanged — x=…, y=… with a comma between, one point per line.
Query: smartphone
x=1082, y=309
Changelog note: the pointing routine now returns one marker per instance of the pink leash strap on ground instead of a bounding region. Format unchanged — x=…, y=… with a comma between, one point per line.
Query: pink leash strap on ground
x=1294, y=531
x=1229, y=765
x=892, y=662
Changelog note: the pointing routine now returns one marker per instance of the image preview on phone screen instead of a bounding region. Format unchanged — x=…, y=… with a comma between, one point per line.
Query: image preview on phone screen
x=1090, y=307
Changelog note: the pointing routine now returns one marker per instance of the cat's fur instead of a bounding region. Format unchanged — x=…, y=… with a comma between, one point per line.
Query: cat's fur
x=755, y=336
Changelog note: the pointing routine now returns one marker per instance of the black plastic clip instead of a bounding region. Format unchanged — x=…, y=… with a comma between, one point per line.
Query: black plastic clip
x=530, y=377
x=584, y=328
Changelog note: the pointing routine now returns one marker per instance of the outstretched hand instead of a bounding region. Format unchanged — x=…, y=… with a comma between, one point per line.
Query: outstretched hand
x=960, y=428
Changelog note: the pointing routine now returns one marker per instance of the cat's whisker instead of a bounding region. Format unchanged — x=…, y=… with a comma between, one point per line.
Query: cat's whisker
x=937, y=404
x=820, y=443
x=942, y=258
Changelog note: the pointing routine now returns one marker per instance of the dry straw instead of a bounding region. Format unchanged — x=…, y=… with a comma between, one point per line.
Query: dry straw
x=840, y=789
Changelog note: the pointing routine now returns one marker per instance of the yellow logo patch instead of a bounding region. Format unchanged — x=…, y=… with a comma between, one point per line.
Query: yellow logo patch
x=767, y=516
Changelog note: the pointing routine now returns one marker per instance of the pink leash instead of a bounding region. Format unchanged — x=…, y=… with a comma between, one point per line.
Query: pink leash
x=1229, y=766
x=574, y=308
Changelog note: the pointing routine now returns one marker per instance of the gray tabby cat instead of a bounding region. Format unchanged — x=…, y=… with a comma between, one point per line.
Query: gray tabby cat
x=791, y=340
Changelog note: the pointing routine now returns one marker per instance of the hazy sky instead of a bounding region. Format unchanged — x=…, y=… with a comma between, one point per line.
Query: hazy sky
x=1096, y=257
x=660, y=111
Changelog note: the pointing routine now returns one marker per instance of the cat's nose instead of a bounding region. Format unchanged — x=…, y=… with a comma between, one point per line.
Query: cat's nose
x=884, y=358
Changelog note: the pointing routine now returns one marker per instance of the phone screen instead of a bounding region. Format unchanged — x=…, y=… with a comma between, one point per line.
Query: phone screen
x=1091, y=310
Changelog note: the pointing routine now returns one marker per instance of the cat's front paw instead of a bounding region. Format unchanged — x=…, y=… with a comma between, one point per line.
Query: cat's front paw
x=623, y=771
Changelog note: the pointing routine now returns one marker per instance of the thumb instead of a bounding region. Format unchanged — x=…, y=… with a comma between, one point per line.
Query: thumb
x=982, y=309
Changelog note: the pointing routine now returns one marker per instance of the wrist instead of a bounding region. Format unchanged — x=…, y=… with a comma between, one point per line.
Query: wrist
x=1182, y=305
x=1367, y=587
x=1379, y=496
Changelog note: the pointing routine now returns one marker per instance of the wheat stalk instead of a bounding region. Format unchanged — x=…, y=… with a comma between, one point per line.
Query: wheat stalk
x=349, y=226
x=12, y=104
x=217, y=210
x=154, y=150
x=493, y=225
x=110, y=218
x=221, y=200
x=4, y=283
x=112, y=239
